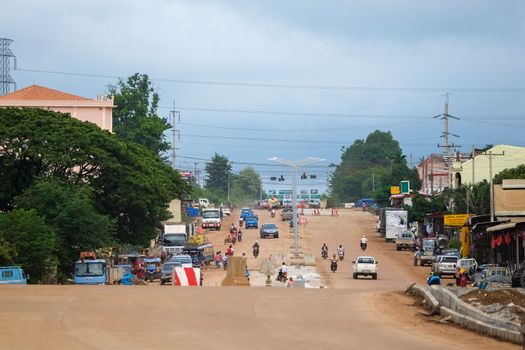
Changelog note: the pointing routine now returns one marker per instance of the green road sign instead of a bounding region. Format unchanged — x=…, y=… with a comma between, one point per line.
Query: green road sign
x=405, y=187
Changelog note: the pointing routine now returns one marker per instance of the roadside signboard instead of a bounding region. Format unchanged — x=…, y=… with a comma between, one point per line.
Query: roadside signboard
x=285, y=191
x=395, y=190
x=455, y=220
x=315, y=196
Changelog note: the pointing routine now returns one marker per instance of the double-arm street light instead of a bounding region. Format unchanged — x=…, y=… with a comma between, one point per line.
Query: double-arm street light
x=294, y=166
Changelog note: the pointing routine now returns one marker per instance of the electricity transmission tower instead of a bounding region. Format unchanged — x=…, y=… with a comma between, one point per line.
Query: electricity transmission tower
x=5, y=67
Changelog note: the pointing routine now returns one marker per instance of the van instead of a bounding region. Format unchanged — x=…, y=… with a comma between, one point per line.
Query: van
x=12, y=275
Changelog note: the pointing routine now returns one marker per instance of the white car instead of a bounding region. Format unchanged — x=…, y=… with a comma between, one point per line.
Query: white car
x=365, y=266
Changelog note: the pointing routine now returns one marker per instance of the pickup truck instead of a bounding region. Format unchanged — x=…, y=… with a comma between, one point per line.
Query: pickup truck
x=406, y=240
x=426, y=253
x=364, y=266
x=286, y=214
x=445, y=265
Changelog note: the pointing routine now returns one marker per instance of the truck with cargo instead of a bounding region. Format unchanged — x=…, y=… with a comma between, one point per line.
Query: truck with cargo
x=97, y=271
x=393, y=222
x=211, y=219
x=175, y=236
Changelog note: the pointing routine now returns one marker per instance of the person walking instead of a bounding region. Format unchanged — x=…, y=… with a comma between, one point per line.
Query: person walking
x=225, y=262
x=218, y=259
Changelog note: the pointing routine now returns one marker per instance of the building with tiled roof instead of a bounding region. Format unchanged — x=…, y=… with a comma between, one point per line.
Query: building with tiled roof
x=98, y=111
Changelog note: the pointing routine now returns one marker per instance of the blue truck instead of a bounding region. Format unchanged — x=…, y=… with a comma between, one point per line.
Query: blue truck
x=91, y=272
x=12, y=275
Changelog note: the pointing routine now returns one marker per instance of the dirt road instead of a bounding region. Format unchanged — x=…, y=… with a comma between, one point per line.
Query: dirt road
x=349, y=314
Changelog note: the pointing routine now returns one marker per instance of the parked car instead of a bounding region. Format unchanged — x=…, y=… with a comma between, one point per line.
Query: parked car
x=12, y=275
x=251, y=221
x=183, y=260
x=406, y=240
x=167, y=272
x=364, y=266
x=269, y=230
x=445, y=265
x=286, y=214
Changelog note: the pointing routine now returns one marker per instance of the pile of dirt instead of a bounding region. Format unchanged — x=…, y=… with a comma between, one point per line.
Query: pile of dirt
x=503, y=297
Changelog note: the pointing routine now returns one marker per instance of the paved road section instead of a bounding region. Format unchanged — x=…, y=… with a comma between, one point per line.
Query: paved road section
x=349, y=314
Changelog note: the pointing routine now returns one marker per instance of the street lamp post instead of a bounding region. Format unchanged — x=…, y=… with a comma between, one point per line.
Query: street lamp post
x=294, y=166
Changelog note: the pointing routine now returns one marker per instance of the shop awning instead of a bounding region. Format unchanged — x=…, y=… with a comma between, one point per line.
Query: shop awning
x=500, y=227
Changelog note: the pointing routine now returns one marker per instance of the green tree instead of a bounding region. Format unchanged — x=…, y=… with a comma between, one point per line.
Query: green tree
x=30, y=241
x=246, y=186
x=131, y=184
x=511, y=173
x=369, y=167
x=218, y=174
x=135, y=115
x=70, y=211
x=422, y=205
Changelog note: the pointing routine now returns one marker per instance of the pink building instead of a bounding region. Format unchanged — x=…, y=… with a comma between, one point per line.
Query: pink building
x=98, y=111
x=434, y=174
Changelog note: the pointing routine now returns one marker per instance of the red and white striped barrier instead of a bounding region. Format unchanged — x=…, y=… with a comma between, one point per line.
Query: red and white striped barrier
x=335, y=212
x=186, y=276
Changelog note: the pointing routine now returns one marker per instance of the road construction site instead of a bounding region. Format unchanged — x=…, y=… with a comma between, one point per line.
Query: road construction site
x=338, y=312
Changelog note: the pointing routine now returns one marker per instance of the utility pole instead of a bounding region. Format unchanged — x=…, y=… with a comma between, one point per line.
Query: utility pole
x=229, y=186
x=491, y=182
x=447, y=146
x=195, y=175
x=373, y=183
x=294, y=166
x=174, y=114
x=473, y=163
x=432, y=174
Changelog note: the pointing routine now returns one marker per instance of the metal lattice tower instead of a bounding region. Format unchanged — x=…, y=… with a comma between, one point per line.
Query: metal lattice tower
x=5, y=68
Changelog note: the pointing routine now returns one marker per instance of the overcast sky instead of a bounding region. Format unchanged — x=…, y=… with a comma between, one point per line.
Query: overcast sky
x=337, y=69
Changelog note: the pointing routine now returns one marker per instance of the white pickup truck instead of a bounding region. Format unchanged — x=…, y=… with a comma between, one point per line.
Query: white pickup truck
x=365, y=266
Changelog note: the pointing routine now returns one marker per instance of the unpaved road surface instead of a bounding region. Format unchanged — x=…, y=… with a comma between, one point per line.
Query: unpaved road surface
x=349, y=314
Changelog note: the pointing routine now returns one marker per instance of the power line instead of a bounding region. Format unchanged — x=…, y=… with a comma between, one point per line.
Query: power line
x=292, y=85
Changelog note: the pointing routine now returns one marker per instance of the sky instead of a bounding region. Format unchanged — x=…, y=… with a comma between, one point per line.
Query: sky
x=292, y=79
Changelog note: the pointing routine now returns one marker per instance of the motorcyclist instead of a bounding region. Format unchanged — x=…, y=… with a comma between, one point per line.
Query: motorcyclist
x=283, y=271
x=341, y=250
x=324, y=248
x=255, y=248
x=364, y=242
x=273, y=212
x=333, y=263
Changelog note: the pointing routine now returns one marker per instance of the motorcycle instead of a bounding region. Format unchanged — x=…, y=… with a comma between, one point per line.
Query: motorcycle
x=333, y=266
x=324, y=254
x=282, y=277
x=363, y=246
x=341, y=256
x=255, y=252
